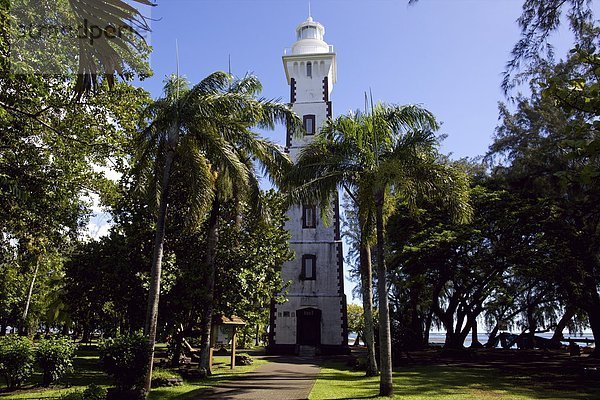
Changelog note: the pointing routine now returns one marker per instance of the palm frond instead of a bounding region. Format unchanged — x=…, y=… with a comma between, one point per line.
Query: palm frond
x=103, y=54
x=200, y=180
x=407, y=118
x=249, y=85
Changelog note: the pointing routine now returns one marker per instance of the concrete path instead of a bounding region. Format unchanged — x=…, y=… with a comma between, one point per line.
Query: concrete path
x=280, y=379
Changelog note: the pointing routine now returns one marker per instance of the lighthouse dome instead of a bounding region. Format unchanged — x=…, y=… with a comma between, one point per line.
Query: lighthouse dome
x=309, y=36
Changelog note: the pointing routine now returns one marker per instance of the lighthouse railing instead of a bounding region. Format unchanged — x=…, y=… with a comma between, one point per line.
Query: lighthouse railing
x=288, y=51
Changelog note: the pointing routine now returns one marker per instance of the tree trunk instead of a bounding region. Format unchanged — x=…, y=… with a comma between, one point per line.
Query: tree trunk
x=474, y=338
x=86, y=336
x=65, y=329
x=413, y=339
x=593, y=311
x=386, y=386
x=427, y=329
x=29, y=295
x=212, y=241
x=530, y=342
x=562, y=324
x=366, y=275
x=177, y=343
x=451, y=341
x=492, y=337
x=154, y=290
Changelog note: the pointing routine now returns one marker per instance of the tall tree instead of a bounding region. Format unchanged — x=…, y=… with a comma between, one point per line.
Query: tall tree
x=547, y=150
x=391, y=152
x=207, y=128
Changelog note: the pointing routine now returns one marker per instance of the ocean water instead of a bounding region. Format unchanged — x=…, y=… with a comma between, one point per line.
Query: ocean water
x=440, y=337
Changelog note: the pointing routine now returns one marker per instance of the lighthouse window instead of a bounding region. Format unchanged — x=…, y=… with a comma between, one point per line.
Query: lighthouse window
x=309, y=32
x=309, y=124
x=309, y=217
x=309, y=267
x=309, y=69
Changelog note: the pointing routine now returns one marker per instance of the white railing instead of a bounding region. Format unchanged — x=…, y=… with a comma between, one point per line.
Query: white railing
x=308, y=50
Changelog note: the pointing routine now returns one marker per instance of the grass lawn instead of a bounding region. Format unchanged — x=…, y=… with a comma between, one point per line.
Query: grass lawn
x=190, y=389
x=432, y=382
x=87, y=372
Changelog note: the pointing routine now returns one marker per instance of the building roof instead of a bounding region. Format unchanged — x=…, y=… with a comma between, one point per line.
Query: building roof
x=233, y=320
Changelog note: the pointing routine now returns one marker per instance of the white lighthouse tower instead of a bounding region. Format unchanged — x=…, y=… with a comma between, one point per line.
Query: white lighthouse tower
x=313, y=320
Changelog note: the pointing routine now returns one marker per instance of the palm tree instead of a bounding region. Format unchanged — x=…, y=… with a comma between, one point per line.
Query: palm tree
x=99, y=19
x=207, y=129
x=240, y=182
x=391, y=152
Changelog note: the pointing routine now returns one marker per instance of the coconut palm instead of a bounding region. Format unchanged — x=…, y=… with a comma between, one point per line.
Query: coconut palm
x=206, y=131
x=106, y=52
x=375, y=158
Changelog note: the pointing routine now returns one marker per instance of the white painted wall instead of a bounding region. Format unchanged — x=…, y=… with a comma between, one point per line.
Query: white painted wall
x=322, y=293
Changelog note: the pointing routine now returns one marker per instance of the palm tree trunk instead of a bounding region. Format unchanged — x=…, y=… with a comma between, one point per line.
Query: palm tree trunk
x=154, y=290
x=366, y=275
x=386, y=386
x=212, y=241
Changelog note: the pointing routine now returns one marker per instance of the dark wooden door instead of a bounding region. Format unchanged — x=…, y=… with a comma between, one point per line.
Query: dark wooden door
x=308, y=327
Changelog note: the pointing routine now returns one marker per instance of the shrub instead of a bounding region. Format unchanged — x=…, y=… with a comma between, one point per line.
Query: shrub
x=16, y=360
x=92, y=392
x=125, y=358
x=72, y=396
x=163, y=377
x=55, y=358
x=243, y=359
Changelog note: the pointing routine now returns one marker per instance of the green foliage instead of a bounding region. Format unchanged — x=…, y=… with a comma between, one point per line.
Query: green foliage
x=250, y=255
x=160, y=373
x=52, y=151
x=51, y=148
x=104, y=280
x=546, y=151
x=92, y=392
x=16, y=360
x=125, y=358
x=161, y=377
x=55, y=357
x=356, y=319
x=539, y=19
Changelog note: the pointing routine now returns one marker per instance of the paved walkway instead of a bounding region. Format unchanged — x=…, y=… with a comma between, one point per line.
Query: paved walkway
x=280, y=379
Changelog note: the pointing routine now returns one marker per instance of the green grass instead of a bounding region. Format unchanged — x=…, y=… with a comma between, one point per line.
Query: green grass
x=191, y=389
x=87, y=371
x=438, y=382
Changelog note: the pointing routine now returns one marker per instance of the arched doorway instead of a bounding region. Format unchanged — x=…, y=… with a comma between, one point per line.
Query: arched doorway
x=308, y=327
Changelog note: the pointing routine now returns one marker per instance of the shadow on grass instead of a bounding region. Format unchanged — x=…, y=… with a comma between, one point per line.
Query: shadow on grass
x=192, y=389
x=442, y=382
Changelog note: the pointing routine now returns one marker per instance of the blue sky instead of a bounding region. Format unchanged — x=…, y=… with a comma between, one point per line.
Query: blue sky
x=445, y=55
